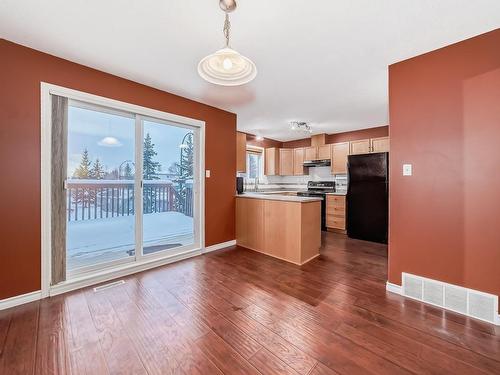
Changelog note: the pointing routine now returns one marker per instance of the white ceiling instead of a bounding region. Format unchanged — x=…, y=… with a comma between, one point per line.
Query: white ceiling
x=322, y=61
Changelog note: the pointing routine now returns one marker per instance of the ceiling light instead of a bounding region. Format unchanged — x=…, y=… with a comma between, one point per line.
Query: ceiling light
x=300, y=126
x=259, y=138
x=227, y=67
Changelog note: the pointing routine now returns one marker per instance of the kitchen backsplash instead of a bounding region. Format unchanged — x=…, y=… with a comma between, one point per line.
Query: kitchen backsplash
x=300, y=182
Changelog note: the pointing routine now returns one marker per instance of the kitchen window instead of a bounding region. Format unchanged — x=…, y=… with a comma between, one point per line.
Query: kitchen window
x=255, y=163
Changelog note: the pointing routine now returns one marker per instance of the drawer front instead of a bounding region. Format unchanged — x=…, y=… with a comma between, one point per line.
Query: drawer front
x=336, y=211
x=335, y=222
x=335, y=201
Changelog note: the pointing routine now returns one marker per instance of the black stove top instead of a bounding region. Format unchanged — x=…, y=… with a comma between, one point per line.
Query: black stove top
x=318, y=188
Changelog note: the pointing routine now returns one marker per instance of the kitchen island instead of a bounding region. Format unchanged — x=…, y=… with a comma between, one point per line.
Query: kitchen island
x=284, y=227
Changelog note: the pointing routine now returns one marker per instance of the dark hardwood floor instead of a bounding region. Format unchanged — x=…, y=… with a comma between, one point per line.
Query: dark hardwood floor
x=239, y=312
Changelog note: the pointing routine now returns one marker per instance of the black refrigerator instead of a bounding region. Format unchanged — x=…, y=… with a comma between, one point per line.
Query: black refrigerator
x=368, y=196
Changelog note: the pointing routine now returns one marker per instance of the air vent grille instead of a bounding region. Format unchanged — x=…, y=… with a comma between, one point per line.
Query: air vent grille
x=466, y=301
x=109, y=285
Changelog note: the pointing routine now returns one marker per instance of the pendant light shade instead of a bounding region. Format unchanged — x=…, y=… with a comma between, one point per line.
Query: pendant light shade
x=227, y=67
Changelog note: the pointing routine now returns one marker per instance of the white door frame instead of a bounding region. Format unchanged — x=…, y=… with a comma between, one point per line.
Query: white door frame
x=141, y=263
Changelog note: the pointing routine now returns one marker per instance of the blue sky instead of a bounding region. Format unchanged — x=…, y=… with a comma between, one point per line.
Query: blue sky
x=87, y=128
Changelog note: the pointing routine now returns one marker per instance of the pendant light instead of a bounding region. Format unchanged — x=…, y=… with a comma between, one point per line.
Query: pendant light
x=227, y=67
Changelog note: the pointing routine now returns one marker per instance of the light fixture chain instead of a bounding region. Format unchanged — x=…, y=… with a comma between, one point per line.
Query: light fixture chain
x=227, y=29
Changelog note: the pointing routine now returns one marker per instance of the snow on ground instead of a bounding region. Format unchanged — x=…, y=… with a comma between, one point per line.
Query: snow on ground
x=94, y=241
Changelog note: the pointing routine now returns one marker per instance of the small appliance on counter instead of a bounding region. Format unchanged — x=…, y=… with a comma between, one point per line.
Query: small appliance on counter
x=239, y=185
x=318, y=189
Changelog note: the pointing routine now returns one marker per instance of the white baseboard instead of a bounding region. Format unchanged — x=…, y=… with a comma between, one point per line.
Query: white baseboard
x=393, y=288
x=20, y=300
x=219, y=246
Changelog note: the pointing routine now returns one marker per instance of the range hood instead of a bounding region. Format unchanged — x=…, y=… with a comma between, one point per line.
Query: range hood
x=317, y=163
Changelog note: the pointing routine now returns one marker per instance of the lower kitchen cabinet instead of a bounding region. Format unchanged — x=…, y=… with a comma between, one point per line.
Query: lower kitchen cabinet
x=336, y=212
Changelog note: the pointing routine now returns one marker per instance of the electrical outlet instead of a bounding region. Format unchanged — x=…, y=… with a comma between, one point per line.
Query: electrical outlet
x=207, y=173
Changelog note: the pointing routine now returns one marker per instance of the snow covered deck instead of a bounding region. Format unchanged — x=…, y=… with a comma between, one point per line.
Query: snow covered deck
x=91, y=242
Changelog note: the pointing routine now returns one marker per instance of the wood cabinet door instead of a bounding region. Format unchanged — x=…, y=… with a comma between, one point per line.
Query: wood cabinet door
x=298, y=161
x=324, y=152
x=339, y=157
x=250, y=223
x=286, y=162
x=380, y=144
x=360, y=147
x=271, y=162
x=241, y=152
x=311, y=153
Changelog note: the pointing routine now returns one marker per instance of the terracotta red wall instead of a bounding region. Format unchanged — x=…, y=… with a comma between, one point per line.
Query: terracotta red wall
x=21, y=71
x=265, y=143
x=445, y=120
x=380, y=131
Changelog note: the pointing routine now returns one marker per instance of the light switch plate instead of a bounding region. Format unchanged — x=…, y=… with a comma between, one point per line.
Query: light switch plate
x=407, y=170
x=207, y=173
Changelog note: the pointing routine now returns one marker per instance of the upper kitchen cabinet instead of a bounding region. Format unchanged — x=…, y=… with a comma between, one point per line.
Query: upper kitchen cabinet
x=324, y=152
x=365, y=146
x=298, y=161
x=311, y=153
x=380, y=144
x=272, y=162
x=286, y=162
x=241, y=152
x=360, y=147
x=340, y=151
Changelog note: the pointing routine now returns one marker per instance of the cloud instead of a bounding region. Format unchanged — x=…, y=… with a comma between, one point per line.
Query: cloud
x=109, y=142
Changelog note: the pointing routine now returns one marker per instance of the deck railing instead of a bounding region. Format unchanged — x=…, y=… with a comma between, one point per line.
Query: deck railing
x=96, y=199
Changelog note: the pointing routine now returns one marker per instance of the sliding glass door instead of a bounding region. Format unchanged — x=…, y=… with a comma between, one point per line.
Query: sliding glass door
x=130, y=188
x=168, y=163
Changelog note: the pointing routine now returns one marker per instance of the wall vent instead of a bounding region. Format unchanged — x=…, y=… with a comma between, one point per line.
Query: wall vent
x=109, y=285
x=465, y=301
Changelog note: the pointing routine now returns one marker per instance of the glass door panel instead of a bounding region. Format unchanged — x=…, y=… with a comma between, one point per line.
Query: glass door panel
x=100, y=187
x=168, y=165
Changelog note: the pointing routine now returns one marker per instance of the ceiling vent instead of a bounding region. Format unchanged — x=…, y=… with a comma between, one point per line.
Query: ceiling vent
x=479, y=305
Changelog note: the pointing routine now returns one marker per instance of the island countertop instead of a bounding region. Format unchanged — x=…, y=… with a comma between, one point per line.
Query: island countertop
x=278, y=197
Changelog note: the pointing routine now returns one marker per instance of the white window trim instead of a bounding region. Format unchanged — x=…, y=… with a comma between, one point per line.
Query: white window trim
x=141, y=264
x=262, y=161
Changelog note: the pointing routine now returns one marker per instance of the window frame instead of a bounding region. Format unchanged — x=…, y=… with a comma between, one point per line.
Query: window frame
x=140, y=113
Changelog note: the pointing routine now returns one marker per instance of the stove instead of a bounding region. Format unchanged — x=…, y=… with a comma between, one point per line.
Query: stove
x=319, y=189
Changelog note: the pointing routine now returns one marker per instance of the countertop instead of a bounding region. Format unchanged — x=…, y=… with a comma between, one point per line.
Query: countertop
x=338, y=193
x=278, y=197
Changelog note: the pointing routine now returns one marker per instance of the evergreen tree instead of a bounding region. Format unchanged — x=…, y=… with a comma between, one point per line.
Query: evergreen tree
x=150, y=166
x=185, y=172
x=128, y=172
x=97, y=172
x=83, y=170
x=187, y=158
x=150, y=169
